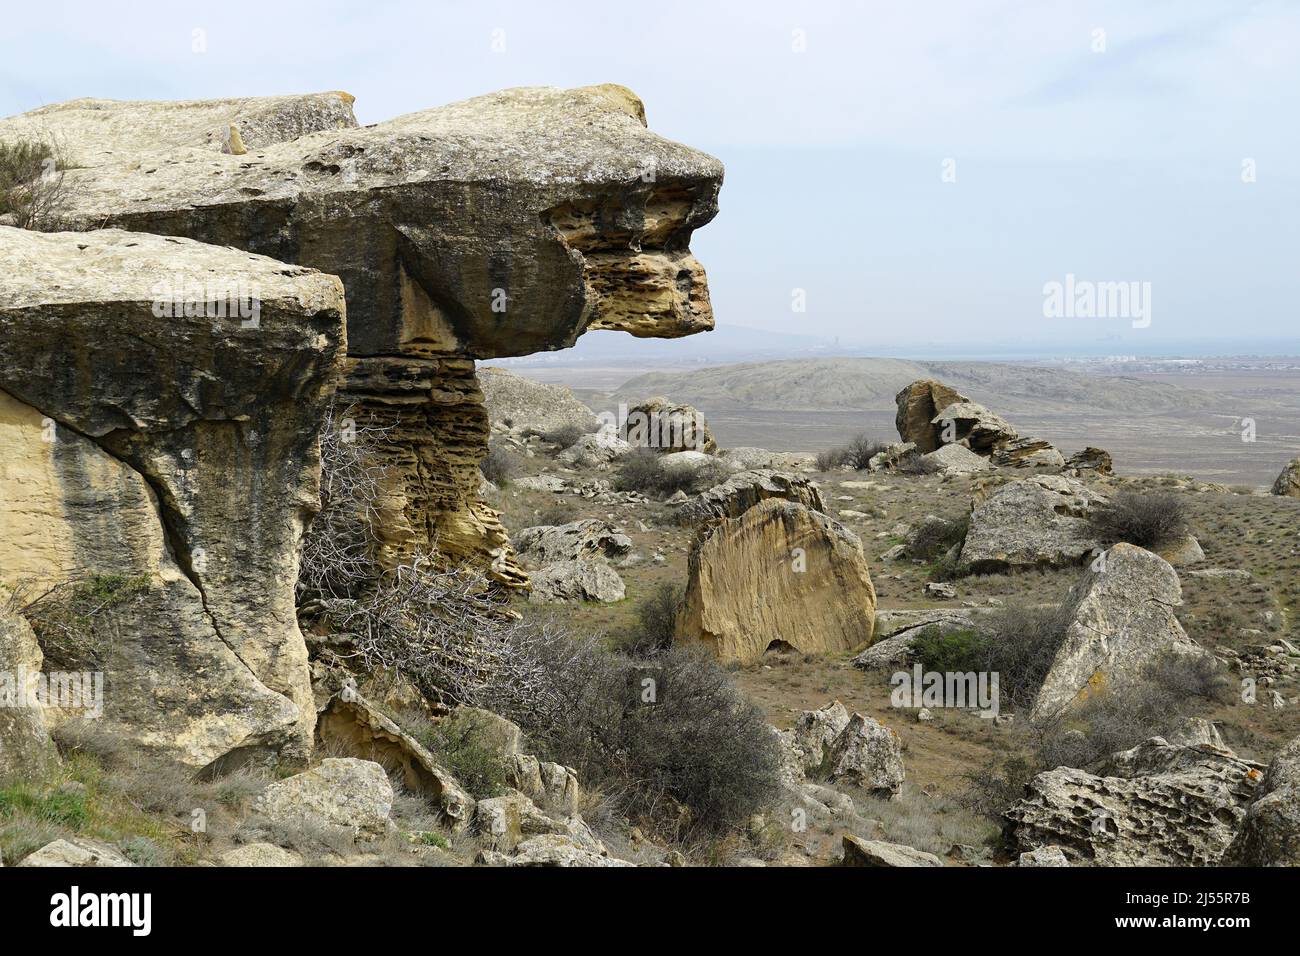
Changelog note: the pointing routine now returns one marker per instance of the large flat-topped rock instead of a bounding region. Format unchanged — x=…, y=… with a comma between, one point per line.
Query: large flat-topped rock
x=504, y=225
x=160, y=403
x=94, y=132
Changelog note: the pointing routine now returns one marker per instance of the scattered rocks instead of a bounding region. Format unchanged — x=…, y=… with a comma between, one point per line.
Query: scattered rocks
x=938, y=589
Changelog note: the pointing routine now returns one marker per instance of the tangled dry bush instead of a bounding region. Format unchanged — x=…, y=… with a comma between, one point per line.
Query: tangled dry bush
x=1152, y=520
x=685, y=753
x=856, y=454
x=31, y=183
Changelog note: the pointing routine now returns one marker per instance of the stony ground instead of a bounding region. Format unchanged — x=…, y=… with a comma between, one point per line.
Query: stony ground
x=1256, y=532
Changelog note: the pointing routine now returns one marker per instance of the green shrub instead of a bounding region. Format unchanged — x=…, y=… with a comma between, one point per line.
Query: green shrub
x=957, y=651
x=462, y=744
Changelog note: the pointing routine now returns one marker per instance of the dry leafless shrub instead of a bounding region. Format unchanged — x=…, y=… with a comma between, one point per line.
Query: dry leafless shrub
x=338, y=550
x=32, y=188
x=1153, y=520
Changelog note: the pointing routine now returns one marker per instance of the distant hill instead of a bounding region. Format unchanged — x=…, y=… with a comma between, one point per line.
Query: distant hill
x=871, y=383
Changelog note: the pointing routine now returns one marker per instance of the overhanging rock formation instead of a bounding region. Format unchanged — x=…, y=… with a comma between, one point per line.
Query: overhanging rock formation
x=176, y=448
x=502, y=225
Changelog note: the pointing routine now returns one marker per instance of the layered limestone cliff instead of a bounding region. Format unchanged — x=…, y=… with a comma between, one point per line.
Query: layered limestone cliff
x=172, y=443
x=502, y=225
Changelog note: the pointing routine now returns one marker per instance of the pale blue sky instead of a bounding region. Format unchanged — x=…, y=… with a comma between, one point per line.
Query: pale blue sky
x=1116, y=165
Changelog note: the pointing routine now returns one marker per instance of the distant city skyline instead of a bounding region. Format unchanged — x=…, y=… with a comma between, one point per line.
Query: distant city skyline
x=912, y=173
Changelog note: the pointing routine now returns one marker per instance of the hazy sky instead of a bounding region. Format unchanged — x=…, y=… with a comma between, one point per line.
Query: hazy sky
x=1106, y=140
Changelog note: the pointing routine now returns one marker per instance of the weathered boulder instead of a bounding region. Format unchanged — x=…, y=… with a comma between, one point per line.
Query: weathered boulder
x=25, y=745
x=1159, y=804
x=668, y=427
x=502, y=225
x=551, y=786
x=814, y=733
x=1118, y=620
x=341, y=797
x=918, y=404
x=596, y=450
x=743, y=490
x=1270, y=833
x=955, y=460
x=77, y=852
x=572, y=561
x=531, y=406
x=575, y=541
x=860, y=852
x=567, y=581
x=160, y=404
x=1091, y=459
x=1288, y=482
x=973, y=425
x=1029, y=523
x=780, y=574
x=869, y=755
x=506, y=821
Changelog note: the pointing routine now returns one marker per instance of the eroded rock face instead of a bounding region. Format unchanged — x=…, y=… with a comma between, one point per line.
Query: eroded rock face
x=779, y=574
x=1270, y=833
x=1159, y=804
x=1119, y=620
x=1037, y=521
x=1096, y=460
x=179, y=451
x=933, y=415
x=502, y=225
